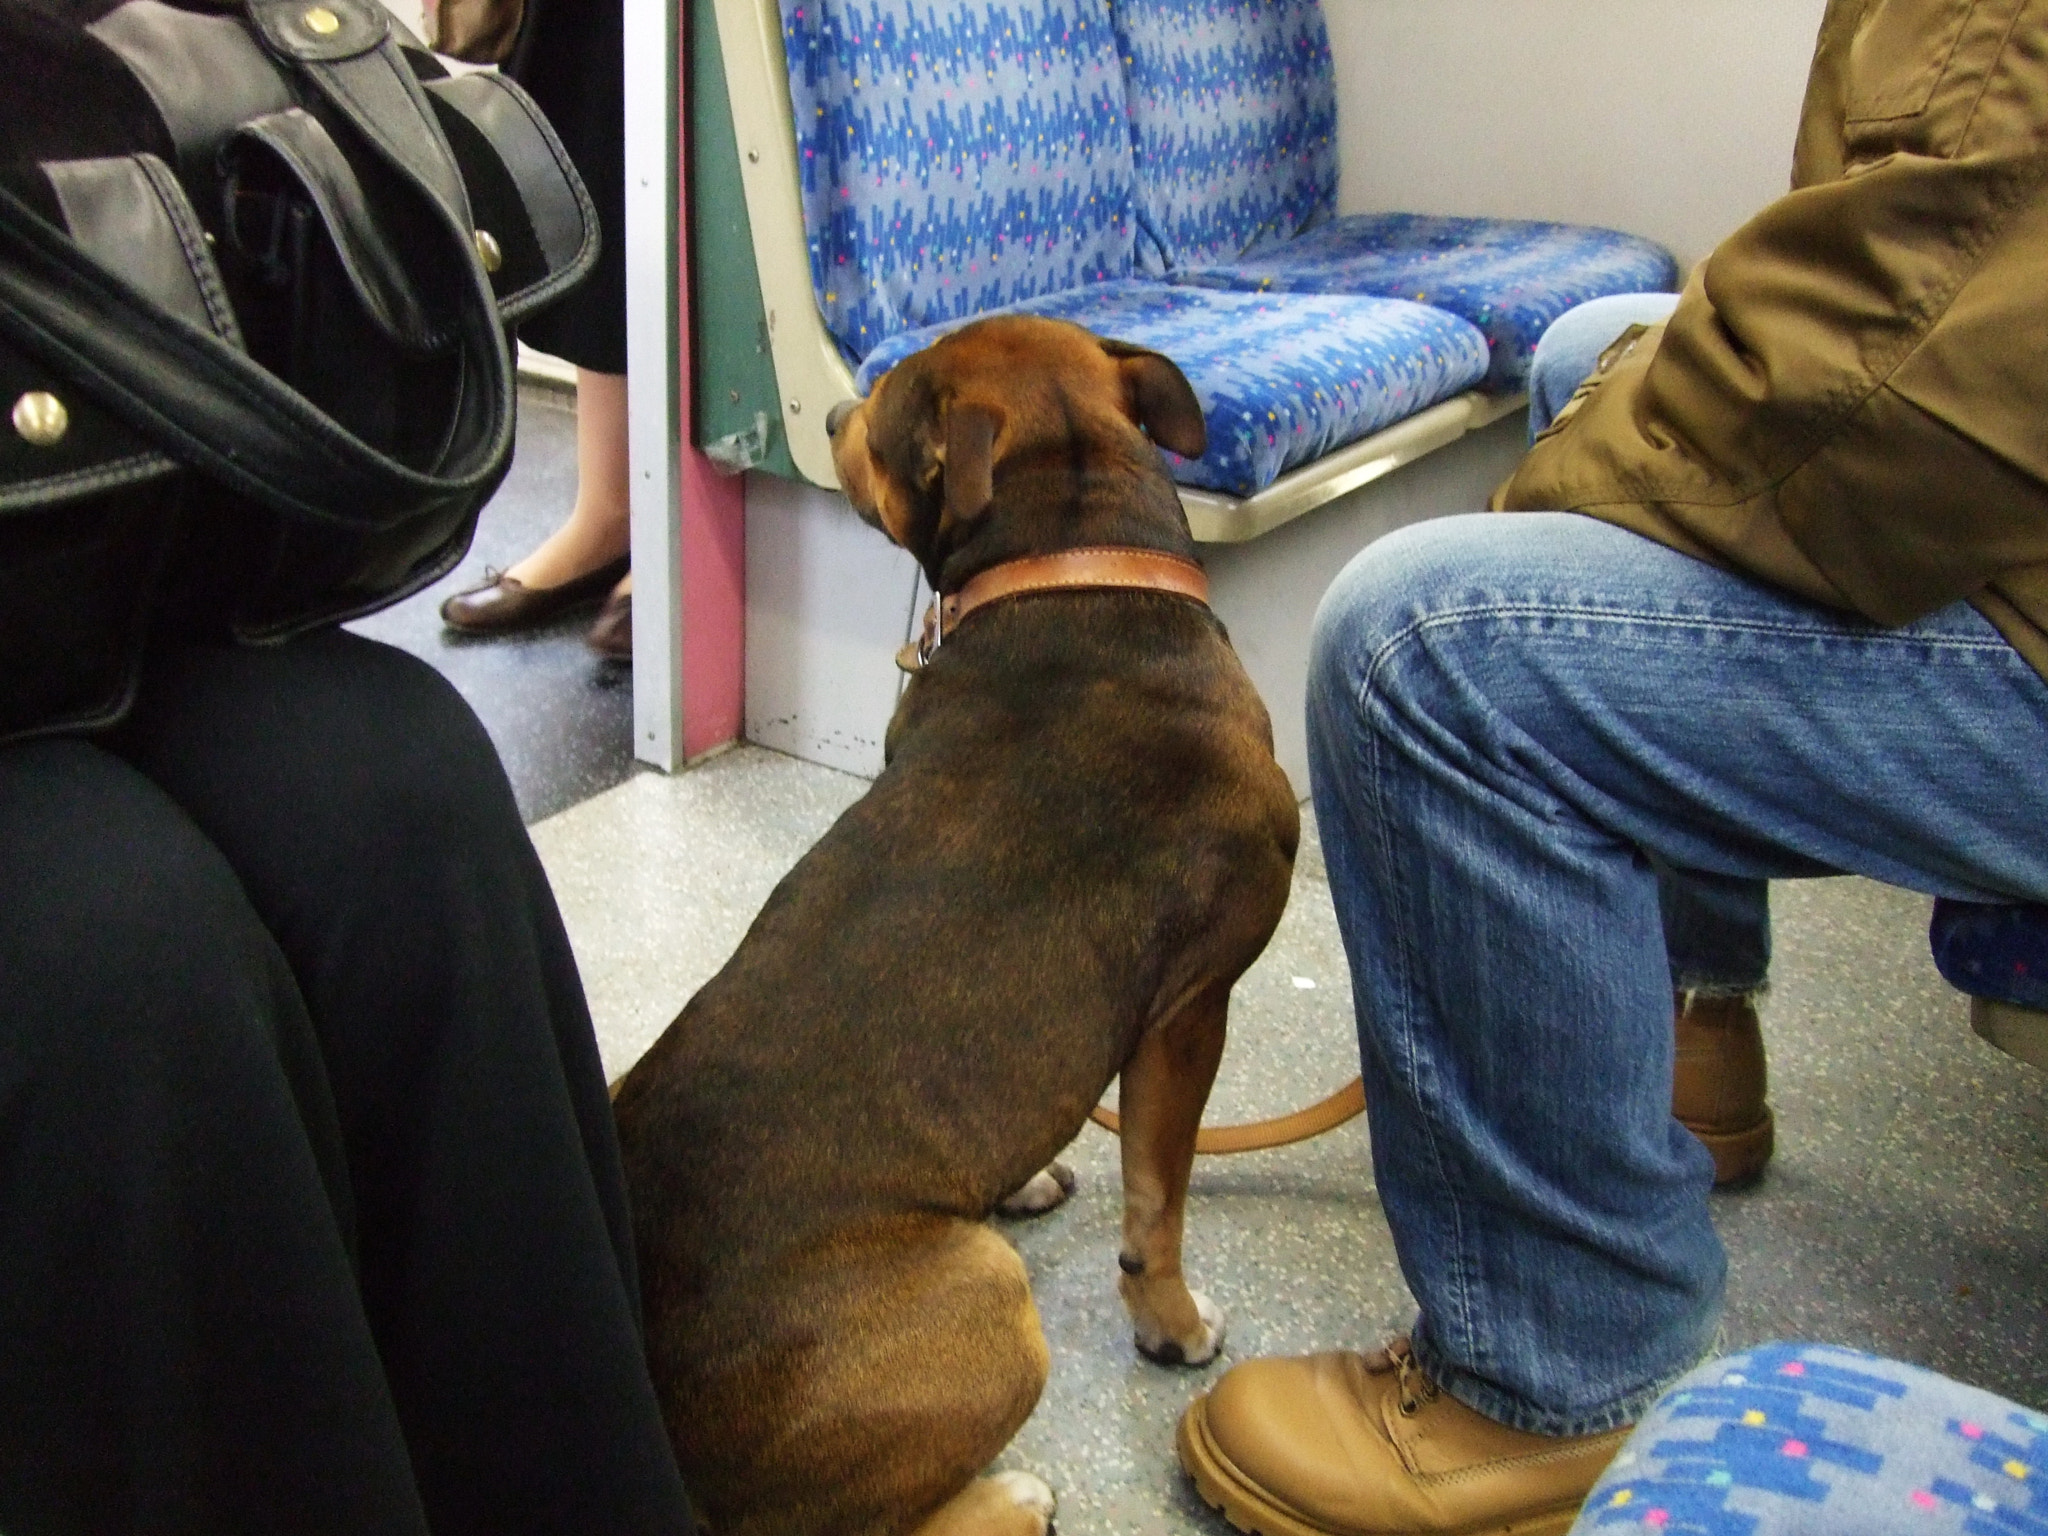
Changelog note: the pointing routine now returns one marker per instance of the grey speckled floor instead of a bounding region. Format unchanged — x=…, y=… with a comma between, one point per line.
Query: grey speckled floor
x=1907, y=1210
x=561, y=717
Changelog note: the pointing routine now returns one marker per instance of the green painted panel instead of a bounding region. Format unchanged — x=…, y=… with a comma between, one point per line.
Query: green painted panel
x=735, y=375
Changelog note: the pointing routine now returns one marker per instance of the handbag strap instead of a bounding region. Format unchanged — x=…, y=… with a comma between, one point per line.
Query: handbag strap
x=212, y=405
x=208, y=403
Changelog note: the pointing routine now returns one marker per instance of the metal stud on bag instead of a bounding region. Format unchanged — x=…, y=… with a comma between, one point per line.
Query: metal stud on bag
x=488, y=251
x=41, y=419
x=321, y=22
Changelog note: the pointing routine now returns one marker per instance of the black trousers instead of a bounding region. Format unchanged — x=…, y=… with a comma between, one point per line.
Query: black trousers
x=571, y=55
x=311, y=1216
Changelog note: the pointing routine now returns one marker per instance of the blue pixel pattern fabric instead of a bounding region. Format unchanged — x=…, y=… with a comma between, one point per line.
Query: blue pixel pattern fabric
x=1509, y=277
x=1992, y=950
x=1233, y=107
x=1283, y=379
x=1821, y=1441
x=955, y=156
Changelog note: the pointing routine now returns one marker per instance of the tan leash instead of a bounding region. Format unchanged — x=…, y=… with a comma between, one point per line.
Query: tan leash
x=1146, y=570
x=1347, y=1103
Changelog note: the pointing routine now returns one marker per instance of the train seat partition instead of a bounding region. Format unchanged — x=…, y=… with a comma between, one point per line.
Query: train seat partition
x=1161, y=171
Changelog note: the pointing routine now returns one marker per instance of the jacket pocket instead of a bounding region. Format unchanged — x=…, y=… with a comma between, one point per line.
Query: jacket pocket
x=1900, y=52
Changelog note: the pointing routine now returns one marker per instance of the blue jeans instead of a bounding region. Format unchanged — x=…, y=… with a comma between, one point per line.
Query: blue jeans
x=1717, y=928
x=1812, y=1440
x=1573, y=343
x=1512, y=718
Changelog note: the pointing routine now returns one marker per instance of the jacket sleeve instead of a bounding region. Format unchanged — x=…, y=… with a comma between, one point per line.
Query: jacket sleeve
x=1849, y=399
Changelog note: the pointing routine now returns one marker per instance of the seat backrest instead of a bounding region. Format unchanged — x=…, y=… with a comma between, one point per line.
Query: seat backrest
x=1233, y=108
x=956, y=155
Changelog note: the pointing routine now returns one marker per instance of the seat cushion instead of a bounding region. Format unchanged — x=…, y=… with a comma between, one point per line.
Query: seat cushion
x=1994, y=951
x=955, y=158
x=1233, y=109
x=1509, y=277
x=1283, y=378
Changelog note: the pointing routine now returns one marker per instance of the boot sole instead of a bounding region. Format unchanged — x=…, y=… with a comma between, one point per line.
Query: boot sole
x=1739, y=1156
x=1229, y=1492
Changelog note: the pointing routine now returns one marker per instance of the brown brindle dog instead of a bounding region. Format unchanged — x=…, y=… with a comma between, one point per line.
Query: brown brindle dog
x=1079, y=843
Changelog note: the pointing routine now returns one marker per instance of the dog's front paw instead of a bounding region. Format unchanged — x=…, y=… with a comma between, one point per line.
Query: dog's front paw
x=1044, y=1191
x=1196, y=1346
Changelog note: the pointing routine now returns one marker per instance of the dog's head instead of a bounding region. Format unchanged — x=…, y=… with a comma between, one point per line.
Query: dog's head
x=920, y=457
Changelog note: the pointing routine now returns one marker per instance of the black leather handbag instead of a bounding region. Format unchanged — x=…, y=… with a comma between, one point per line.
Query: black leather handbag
x=259, y=261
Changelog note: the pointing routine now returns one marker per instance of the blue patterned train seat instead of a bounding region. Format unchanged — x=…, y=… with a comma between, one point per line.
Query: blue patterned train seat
x=1283, y=379
x=1999, y=951
x=1233, y=108
x=1998, y=954
x=1163, y=172
x=955, y=156
x=1233, y=126
x=1509, y=277
x=1794, y=1439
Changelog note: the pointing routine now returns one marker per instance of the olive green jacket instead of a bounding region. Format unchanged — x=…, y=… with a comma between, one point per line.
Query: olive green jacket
x=1851, y=399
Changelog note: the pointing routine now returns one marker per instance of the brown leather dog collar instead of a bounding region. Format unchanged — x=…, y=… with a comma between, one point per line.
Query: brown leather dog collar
x=1071, y=570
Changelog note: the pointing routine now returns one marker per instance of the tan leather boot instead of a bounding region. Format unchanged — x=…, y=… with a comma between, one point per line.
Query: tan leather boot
x=1717, y=1085
x=1357, y=1445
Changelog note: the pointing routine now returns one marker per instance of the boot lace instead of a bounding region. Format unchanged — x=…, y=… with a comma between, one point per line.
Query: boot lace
x=1414, y=1387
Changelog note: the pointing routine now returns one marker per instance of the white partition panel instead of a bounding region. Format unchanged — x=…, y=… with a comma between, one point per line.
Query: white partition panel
x=1668, y=118
x=652, y=416
x=829, y=600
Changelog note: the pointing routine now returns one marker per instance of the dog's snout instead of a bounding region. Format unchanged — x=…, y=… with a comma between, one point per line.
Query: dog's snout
x=836, y=417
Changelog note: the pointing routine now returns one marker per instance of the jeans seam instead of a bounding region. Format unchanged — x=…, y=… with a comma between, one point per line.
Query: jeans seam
x=1458, y=1282
x=1876, y=634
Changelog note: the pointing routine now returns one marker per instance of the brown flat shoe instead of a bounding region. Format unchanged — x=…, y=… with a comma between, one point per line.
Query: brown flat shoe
x=611, y=632
x=502, y=606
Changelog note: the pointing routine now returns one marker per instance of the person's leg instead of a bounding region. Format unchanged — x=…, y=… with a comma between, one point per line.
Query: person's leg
x=1717, y=928
x=1815, y=1440
x=363, y=809
x=1507, y=717
x=1717, y=931
x=184, y=1349
x=596, y=531
x=1568, y=350
x=1717, y=943
x=583, y=561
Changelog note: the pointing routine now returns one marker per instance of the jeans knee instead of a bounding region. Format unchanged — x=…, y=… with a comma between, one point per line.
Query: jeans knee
x=1399, y=588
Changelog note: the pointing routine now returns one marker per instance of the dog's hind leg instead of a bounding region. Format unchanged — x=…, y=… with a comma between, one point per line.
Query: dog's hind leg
x=1163, y=1088
x=917, y=1355
x=1005, y=1504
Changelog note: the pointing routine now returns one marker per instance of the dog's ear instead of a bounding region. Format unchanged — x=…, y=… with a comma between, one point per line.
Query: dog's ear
x=1162, y=400
x=971, y=428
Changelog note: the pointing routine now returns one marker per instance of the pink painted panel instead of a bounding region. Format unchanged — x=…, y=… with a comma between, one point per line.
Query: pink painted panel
x=713, y=546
